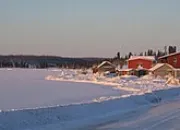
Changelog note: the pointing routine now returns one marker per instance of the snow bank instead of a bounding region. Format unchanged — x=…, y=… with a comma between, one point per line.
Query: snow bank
x=172, y=81
x=128, y=83
x=129, y=77
x=82, y=115
x=148, y=77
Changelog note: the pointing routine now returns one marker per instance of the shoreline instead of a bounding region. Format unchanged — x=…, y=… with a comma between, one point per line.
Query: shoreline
x=115, y=85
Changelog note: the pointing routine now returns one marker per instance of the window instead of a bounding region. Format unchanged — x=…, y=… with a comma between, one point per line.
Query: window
x=175, y=60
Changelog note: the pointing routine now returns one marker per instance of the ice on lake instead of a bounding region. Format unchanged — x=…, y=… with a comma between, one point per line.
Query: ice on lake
x=22, y=88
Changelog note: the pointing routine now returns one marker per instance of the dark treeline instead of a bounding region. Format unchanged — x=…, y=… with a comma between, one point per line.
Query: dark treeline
x=24, y=61
x=31, y=61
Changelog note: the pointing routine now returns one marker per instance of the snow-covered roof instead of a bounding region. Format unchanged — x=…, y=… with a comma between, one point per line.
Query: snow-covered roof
x=177, y=69
x=172, y=54
x=152, y=58
x=105, y=62
x=159, y=65
x=126, y=70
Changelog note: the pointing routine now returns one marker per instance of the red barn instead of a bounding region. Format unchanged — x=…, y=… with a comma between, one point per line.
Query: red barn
x=137, y=62
x=172, y=59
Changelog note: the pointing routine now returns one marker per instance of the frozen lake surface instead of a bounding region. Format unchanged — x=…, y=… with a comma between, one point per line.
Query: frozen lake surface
x=28, y=89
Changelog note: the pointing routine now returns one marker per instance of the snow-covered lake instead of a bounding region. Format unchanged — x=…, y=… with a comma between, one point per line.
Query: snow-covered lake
x=21, y=88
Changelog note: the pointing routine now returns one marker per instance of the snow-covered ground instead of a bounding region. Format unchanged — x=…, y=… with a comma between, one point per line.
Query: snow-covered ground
x=77, y=101
x=22, y=88
x=164, y=116
x=129, y=83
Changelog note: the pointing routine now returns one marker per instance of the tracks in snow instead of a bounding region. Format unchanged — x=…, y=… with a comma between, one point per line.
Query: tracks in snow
x=165, y=119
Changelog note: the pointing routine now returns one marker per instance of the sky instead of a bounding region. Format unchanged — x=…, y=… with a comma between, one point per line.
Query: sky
x=87, y=28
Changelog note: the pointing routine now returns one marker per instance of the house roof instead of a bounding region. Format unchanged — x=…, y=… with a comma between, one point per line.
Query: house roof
x=159, y=65
x=126, y=70
x=172, y=54
x=105, y=62
x=152, y=58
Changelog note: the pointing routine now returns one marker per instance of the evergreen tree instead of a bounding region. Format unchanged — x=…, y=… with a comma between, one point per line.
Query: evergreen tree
x=118, y=55
x=141, y=54
x=145, y=54
x=130, y=54
x=150, y=52
x=172, y=49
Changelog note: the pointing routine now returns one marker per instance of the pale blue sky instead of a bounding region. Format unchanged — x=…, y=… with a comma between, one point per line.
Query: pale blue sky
x=87, y=28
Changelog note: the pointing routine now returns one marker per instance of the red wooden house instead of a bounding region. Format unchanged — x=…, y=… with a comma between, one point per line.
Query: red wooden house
x=172, y=59
x=141, y=62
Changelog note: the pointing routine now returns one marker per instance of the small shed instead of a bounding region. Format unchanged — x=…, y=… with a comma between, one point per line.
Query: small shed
x=126, y=71
x=106, y=66
x=162, y=69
